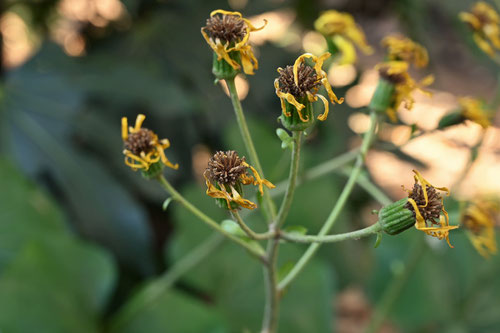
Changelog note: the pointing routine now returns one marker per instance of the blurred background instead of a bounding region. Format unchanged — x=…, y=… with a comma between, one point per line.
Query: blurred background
x=81, y=235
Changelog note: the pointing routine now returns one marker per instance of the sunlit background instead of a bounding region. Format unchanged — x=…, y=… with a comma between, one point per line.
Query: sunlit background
x=70, y=69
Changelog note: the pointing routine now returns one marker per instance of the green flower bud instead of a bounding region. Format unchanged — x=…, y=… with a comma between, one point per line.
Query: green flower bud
x=383, y=97
x=396, y=217
x=450, y=119
x=294, y=123
x=224, y=71
x=154, y=170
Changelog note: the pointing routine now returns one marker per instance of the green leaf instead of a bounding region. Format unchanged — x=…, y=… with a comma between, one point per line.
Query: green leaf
x=171, y=312
x=233, y=228
x=59, y=285
x=166, y=203
x=296, y=229
x=286, y=140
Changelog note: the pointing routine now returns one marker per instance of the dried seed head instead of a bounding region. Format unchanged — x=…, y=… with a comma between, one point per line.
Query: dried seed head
x=307, y=79
x=226, y=167
x=432, y=211
x=392, y=78
x=228, y=28
x=140, y=141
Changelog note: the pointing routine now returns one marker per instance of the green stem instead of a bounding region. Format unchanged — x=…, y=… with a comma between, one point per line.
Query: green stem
x=339, y=205
x=247, y=139
x=257, y=252
x=397, y=283
x=271, y=310
x=252, y=234
x=156, y=288
x=373, y=229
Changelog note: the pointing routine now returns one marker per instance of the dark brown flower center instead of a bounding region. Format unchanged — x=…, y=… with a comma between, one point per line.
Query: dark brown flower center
x=228, y=28
x=307, y=80
x=140, y=141
x=432, y=211
x=392, y=78
x=226, y=167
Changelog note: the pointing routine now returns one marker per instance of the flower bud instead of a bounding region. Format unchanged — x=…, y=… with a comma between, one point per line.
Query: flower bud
x=396, y=217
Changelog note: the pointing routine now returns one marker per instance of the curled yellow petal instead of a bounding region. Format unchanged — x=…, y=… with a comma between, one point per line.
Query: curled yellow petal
x=124, y=128
x=323, y=116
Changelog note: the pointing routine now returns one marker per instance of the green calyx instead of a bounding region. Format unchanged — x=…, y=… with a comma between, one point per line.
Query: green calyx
x=396, y=218
x=383, y=97
x=294, y=123
x=450, y=119
x=222, y=203
x=224, y=71
x=155, y=170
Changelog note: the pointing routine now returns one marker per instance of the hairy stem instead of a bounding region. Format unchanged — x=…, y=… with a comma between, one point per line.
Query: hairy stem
x=339, y=205
x=373, y=229
x=252, y=234
x=247, y=139
x=257, y=252
x=271, y=310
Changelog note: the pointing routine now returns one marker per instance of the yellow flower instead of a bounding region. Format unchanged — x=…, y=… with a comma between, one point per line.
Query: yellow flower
x=402, y=48
x=225, y=175
x=227, y=33
x=475, y=110
x=396, y=72
x=427, y=205
x=484, y=23
x=299, y=84
x=343, y=31
x=142, y=146
x=479, y=220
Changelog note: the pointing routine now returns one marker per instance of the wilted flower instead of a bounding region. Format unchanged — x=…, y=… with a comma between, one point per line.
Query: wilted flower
x=484, y=22
x=478, y=218
x=142, y=146
x=297, y=87
x=476, y=111
x=225, y=175
x=396, y=74
x=227, y=33
x=342, y=30
x=402, y=48
x=427, y=205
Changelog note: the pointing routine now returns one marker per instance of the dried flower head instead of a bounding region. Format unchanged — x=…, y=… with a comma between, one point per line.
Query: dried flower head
x=478, y=218
x=142, y=148
x=476, y=111
x=225, y=175
x=227, y=33
x=396, y=72
x=484, y=22
x=427, y=205
x=343, y=32
x=299, y=84
x=400, y=48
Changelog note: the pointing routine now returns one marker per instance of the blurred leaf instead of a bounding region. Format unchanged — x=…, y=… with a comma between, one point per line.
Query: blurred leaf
x=40, y=111
x=53, y=286
x=233, y=228
x=173, y=312
x=26, y=213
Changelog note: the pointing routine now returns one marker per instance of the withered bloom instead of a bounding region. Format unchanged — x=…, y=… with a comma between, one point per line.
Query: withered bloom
x=395, y=73
x=225, y=175
x=428, y=209
x=484, y=22
x=142, y=148
x=297, y=87
x=341, y=30
x=401, y=48
x=227, y=33
x=478, y=218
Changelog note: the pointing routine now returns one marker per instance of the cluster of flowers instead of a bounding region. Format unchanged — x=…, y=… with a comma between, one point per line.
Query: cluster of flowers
x=298, y=86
